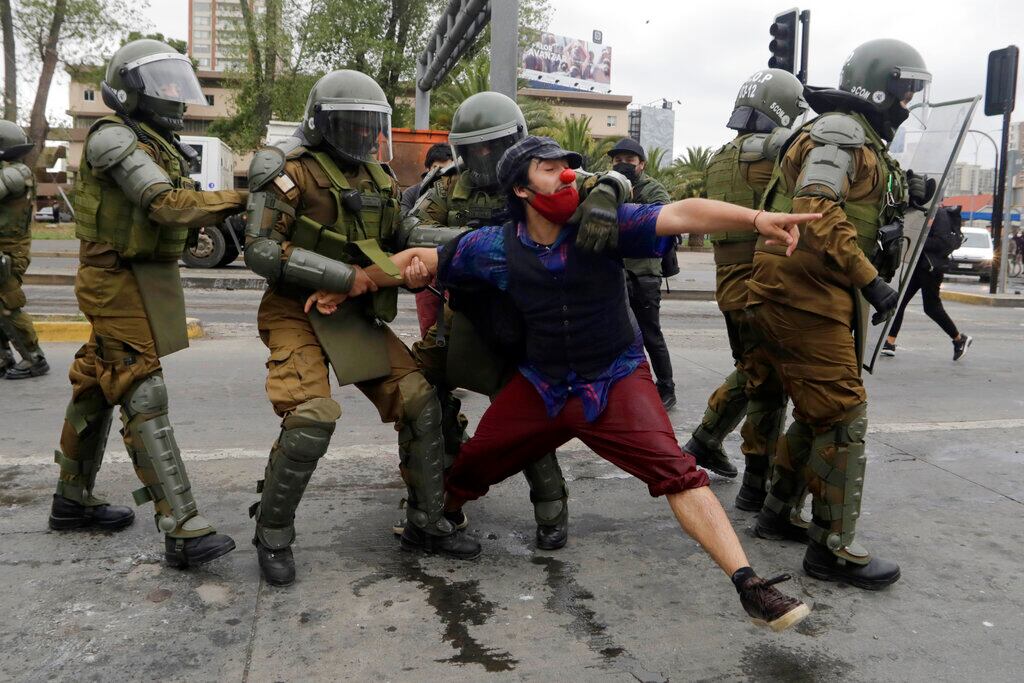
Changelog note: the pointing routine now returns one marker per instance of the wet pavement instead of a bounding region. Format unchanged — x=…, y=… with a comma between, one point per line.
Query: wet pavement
x=629, y=598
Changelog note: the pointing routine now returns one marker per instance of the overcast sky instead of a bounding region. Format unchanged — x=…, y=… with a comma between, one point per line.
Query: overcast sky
x=700, y=52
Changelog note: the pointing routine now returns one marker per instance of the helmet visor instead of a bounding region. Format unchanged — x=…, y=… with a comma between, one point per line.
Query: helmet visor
x=362, y=132
x=165, y=77
x=906, y=83
x=480, y=159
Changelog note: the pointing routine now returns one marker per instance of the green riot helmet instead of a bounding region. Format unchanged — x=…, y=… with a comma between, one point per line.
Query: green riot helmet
x=348, y=113
x=885, y=74
x=767, y=100
x=14, y=143
x=152, y=78
x=484, y=126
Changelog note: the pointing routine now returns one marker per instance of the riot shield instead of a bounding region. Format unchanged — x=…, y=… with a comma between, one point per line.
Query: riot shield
x=928, y=143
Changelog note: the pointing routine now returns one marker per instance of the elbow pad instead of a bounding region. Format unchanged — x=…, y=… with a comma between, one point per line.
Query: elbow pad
x=412, y=234
x=14, y=180
x=263, y=257
x=114, y=150
x=313, y=271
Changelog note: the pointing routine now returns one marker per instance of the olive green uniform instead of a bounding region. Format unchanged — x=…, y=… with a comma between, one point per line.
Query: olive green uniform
x=453, y=202
x=647, y=190
x=16, y=242
x=811, y=315
x=738, y=173
x=354, y=341
x=129, y=289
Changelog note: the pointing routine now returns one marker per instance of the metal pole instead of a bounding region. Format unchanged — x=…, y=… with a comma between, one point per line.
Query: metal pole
x=805, y=39
x=1011, y=167
x=997, y=208
x=422, y=120
x=504, y=46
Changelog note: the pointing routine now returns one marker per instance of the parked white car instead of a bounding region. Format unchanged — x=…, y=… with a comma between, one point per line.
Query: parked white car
x=974, y=257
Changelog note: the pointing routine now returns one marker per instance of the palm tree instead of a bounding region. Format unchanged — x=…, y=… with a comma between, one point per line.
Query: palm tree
x=689, y=172
x=573, y=133
x=474, y=77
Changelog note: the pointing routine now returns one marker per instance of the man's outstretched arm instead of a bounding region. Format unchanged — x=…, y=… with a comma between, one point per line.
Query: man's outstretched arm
x=708, y=215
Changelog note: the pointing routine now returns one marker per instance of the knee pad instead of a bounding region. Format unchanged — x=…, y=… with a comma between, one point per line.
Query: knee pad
x=148, y=397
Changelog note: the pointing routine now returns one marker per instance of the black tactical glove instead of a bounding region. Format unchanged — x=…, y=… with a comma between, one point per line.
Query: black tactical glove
x=882, y=298
x=597, y=217
x=920, y=189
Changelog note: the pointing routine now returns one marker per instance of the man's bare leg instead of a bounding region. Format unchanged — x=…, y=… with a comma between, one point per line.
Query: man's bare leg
x=701, y=516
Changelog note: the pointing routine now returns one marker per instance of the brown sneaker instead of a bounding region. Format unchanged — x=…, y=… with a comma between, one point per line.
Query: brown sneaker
x=768, y=606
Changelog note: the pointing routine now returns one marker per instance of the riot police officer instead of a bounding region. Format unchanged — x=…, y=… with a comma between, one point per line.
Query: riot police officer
x=812, y=308
x=323, y=207
x=643, y=275
x=467, y=196
x=134, y=205
x=767, y=105
x=17, y=199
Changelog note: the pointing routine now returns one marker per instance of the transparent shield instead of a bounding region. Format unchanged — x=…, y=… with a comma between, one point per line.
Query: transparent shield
x=927, y=143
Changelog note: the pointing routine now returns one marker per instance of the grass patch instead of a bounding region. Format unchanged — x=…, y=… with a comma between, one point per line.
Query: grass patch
x=49, y=231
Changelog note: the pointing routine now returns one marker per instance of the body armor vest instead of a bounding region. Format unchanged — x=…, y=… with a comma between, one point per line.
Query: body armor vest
x=467, y=204
x=16, y=212
x=104, y=214
x=866, y=216
x=726, y=183
x=364, y=226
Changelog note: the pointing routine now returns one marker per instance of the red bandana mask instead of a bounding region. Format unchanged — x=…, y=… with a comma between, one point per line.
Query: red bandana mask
x=558, y=206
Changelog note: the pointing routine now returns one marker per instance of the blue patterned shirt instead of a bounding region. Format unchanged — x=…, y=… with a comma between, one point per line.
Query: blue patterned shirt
x=481, y=256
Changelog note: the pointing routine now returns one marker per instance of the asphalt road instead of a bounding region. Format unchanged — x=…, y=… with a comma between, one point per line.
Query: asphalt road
x=630, y=598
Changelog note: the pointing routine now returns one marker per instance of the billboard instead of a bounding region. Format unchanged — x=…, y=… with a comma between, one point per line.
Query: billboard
x=568, y=62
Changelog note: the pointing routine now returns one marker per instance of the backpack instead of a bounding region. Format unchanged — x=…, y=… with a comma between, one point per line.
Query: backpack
x=945, y=237
x=670, y=261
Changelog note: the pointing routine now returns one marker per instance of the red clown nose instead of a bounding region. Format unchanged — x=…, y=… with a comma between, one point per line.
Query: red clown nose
x=567, y=175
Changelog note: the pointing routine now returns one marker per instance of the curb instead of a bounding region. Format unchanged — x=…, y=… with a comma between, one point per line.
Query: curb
x=995, y=300
x=54, y=328
x=187, y=281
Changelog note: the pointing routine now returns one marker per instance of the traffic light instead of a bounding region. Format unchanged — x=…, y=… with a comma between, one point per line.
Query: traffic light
x=783, y=45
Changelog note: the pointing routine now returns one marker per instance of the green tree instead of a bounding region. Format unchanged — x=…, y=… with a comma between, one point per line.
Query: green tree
x=573, y=133
x=10, y=62
x=67, y=32
x=688, y=173
x=472, y=77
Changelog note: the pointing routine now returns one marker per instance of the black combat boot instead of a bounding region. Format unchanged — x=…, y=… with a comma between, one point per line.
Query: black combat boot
x=750, y=498
x=278, y=566
x=188, y=552
x=775, y=527
x=456, y=544
x=33, y=366
x=67, y=514
x=711, y=459
x=552, y=536
x=6, y=357
x=823, y=564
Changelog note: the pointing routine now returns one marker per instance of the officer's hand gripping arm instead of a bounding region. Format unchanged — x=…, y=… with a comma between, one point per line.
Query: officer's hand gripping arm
x=597, y=214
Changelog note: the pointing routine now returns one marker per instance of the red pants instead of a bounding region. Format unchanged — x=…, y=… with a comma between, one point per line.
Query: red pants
x=633, y=433
x=427, y=306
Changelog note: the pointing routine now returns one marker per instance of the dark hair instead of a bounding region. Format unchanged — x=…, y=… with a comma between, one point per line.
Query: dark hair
x=439, y=151
x=516, y=204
